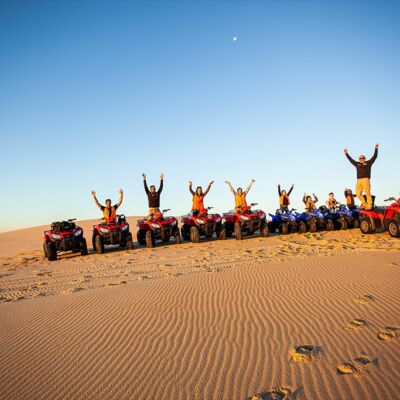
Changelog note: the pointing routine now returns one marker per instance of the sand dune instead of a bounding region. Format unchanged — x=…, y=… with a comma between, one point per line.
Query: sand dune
x=294, y=317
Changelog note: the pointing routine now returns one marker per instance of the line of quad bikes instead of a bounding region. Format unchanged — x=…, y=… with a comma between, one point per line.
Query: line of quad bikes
x=67, y=236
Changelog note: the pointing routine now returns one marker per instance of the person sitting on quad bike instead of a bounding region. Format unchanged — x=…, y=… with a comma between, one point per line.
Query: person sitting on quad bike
x=363, y=167
x=284, y=200
x=331, y=202
x=153, y=195
x=198, y=197
x=348, y=194
x=240, y=196
x=109, y=211
x=310, y=203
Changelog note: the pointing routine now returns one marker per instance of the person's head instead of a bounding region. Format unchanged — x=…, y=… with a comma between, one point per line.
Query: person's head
x=361, y=158
x=283, y=192
x=331, y=195
x=239, y=191
x=308, y=198
x=152, y=188
x=349, y=191
x=199, y=190
x=108, y=203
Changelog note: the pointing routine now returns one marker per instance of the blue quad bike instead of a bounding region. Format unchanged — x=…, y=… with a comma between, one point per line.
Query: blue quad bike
x=345, y=218
x=285, y=221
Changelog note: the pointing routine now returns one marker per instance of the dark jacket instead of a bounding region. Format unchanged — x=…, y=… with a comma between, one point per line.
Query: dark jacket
x=154, y=198
x=363, y=169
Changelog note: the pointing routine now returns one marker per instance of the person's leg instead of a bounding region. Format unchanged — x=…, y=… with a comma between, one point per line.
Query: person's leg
x=367, y=191
x=359, y=190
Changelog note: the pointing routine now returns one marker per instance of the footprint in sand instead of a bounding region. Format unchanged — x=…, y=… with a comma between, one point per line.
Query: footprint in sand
x=43, y=273
x=355, y=366
x=356, y=324
x=304, y=353
x=388, y=333
x=365, y=299
x=392, y=264
x=280, y=393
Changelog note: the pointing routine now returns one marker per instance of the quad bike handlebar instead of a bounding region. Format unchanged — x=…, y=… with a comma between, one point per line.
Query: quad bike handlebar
x=72, y=219
x=166, y=210
x=390, y=199
x=253, y=204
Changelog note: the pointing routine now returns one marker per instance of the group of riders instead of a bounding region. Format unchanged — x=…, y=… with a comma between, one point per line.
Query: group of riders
x=363, y=193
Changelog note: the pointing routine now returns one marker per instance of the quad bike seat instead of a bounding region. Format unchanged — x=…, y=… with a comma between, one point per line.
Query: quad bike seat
x=379, y=210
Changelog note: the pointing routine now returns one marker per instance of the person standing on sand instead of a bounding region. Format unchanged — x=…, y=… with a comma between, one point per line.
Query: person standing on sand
x=240, y=196
x=284, y=200
x=109, y=211
x=153, y=195
x=363, y=168
x=198, y=197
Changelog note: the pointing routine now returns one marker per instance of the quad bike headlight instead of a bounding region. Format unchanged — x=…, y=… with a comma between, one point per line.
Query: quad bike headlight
x=56, y=236
x=78, y=232
x=103, y=230
x=199, y=221
x=244, y=218
x=124, y=228
x=155, y=226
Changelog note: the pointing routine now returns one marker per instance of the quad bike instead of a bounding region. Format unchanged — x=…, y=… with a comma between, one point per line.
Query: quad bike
x=195, y=225
x=345, y=218
x=328, y=217
x=157, y=227
x=307, y=222
x=63, y=236
x=285, y=221
x=246, y=222
x=112, y=233
x=381, y=219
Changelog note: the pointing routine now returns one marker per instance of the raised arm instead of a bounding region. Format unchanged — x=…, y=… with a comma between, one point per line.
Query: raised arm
x=208, y=188
x=279, y=190
x=231, y=188
x=372, y=160
x=121, y=197
x=146, y=189
x=161, y=183
x=290, y=190
x=354, y=162
x=304, y=198
x=190, y=188
x=315, y=198
x=249, y=187
x=95, y=199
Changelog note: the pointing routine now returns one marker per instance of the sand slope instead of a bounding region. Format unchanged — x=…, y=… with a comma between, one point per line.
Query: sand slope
x=218, y=320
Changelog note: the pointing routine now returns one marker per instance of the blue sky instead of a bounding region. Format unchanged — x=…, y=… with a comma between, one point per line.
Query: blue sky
x=92, y=94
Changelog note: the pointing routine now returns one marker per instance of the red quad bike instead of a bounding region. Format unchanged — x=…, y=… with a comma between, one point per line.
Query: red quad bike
x=63, y=236
x=158, y=227
x=381, y=219
x=195, y=225
x=111, y=233
x=246, y=222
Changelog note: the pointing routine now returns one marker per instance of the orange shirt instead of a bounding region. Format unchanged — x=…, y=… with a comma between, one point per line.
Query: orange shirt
x=198, y=202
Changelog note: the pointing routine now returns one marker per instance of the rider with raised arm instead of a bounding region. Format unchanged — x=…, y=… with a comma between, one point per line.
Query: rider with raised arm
x=284, y=200
x=309, y=202
x=240, y=196
x=153, y=195
x=198, y=197
x=109, y=211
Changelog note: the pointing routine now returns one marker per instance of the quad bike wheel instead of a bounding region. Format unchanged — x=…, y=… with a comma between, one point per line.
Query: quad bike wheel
x=356, y=224
x=284, y=229
x=185, y=234
x=129, y=242
x=264, y=231
x=149, y=239
x=394, y=228
x=51, y=250
x=329, y=225
x=342, y=224
x=83, y=247
x=177, y=236
x=98, y=244
x=312, y=226
x=141, y=240
x=302, y=227
x=221, y=233
x=365, y=225
x=238, y=231
x=194, y=234
x=44, y=250
x=271, y=227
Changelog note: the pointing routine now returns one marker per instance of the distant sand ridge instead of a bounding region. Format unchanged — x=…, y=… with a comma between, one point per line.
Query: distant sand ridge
x=314, y=316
